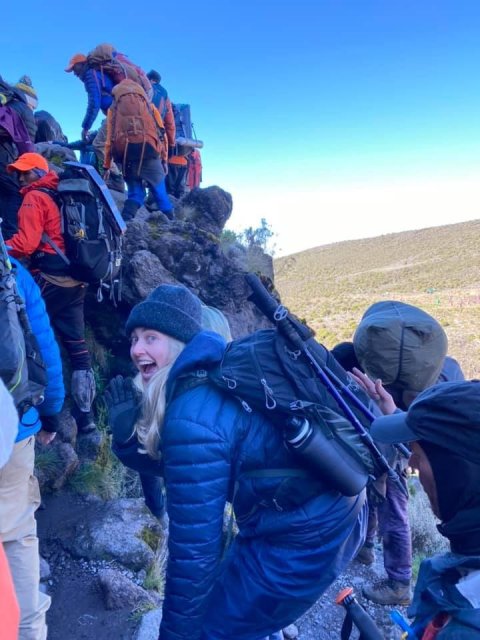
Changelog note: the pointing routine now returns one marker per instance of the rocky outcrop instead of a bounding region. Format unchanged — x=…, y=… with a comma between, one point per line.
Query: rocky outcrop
x=189, y=251
x=119, y=591
x=124, y=531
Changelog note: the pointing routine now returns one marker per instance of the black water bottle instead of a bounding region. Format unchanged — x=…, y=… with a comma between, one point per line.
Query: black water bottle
x=326, y=457
x=356, y=614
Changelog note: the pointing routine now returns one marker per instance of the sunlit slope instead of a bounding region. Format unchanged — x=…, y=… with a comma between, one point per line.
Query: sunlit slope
x=437, y=269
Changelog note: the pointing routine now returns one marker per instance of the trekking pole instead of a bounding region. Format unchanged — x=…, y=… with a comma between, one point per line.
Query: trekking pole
x=356, y=615
x=401, y=448
x=299, y=335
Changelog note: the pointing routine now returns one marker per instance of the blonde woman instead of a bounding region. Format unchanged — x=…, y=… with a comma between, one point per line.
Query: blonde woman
x=295, y=537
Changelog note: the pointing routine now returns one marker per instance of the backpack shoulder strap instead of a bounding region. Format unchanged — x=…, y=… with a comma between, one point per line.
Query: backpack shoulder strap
x=45, y=237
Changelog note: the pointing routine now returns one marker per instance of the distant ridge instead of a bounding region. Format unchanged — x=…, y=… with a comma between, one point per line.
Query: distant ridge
x=437, y=268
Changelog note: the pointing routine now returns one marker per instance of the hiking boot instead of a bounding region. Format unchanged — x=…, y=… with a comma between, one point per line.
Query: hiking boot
x=389, y=592
x=170, y=214
x=130, y=208
x=366, y=555
x=85, y=422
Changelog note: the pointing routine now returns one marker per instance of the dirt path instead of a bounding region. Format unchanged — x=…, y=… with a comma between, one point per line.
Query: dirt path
x=77, y=611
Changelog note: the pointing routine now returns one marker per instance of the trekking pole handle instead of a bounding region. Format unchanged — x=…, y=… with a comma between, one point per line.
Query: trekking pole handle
x=275, y=311
x=262, y=299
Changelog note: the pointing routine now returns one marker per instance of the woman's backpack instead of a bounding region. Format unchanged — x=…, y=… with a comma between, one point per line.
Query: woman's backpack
x=119, y=67
x=92, y=227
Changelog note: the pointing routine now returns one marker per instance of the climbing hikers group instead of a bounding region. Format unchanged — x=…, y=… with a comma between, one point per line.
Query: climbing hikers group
x=307, y=446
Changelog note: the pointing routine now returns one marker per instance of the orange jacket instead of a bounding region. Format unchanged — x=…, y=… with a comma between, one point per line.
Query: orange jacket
x=38, y=213
x=169, y=123
x=194, y=175
x=9, y=611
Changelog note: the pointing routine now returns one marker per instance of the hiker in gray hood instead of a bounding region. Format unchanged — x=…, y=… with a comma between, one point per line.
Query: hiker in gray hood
x=405, y=348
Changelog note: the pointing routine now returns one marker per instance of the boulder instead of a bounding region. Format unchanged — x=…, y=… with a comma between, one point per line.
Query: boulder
x=149, y=625
x=119, y=591
x=54, y=464
x=124, y=531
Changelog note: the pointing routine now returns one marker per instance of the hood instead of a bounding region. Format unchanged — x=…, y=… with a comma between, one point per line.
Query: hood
x=400, y=344
x=49, y=181
x=204, y=351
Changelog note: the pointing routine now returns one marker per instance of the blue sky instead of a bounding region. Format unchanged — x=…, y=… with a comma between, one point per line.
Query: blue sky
x=333, y=119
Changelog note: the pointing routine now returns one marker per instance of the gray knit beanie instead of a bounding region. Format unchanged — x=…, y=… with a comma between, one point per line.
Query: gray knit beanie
x=170, y=309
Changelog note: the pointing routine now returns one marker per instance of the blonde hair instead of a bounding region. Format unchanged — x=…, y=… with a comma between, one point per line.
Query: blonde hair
x=214, y=320
x=149, y=426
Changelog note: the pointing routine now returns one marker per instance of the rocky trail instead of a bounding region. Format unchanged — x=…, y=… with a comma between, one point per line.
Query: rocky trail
x=87, y=606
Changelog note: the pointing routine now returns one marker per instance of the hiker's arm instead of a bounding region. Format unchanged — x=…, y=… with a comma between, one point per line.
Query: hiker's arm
x=30, y=226
x=40, y=323
x=92, y=87
x=197, y=471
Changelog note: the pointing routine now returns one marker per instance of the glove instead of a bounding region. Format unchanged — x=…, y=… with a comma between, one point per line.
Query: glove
x=123, y=402
x=50, y=423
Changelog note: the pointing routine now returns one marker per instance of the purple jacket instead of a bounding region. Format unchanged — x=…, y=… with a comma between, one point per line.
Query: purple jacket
x=13, y=124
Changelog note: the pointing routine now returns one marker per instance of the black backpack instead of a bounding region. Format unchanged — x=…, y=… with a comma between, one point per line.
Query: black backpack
x=92, y=227
x=21, y=365
x=265, y=374
x=300, y=387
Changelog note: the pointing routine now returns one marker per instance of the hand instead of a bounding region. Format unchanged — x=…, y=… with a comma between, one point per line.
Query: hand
x=85, y=134
x=123, y=404
x=50, y=424
x=45, y=437
x=106, y=174
x=376, y=391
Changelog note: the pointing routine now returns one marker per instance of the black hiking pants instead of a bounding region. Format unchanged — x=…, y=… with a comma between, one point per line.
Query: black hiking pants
x=65, y=307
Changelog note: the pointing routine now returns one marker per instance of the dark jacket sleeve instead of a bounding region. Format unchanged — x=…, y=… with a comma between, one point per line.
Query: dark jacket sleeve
x=129, y=456
x=40, y=323
x=197, y=471
x=93, y=89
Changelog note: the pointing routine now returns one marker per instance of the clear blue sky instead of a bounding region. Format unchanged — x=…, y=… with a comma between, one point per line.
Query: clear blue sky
x=353, y=117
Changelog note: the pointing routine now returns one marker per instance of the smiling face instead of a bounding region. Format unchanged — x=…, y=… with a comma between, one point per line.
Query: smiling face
x=150, y=351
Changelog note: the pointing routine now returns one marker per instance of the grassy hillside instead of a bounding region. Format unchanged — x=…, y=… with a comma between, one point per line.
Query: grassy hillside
x=437, y=269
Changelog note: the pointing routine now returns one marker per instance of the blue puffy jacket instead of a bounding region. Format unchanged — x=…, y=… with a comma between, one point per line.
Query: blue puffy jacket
x=98, y=86
x=40, y=323
x=294, y=537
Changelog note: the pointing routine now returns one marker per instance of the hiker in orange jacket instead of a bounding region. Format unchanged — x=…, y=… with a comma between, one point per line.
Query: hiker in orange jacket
x=194, y=173
x=64, y=297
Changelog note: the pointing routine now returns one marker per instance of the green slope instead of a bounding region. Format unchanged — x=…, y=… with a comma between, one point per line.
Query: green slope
x=437, y=269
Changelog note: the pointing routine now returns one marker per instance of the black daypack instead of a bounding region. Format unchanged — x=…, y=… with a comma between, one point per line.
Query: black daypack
x=21, y=365
x=266, y=374
x=92, y=227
